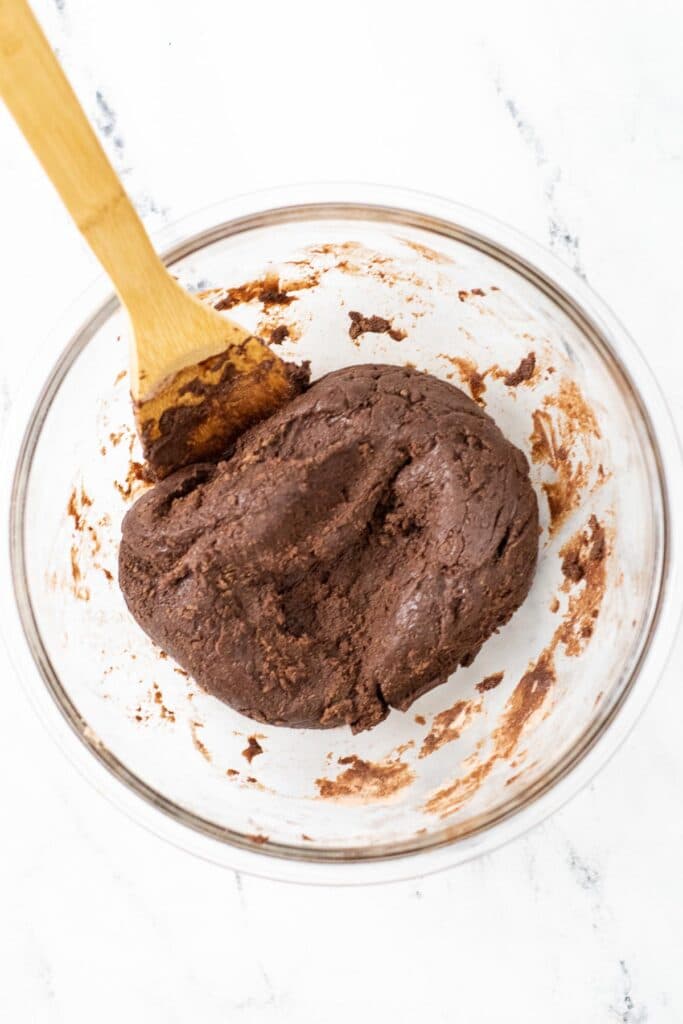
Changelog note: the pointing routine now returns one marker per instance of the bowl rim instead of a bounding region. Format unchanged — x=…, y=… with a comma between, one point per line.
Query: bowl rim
x=589, y=753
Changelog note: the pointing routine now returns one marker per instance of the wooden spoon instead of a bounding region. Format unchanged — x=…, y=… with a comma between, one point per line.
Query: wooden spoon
x=197, y=379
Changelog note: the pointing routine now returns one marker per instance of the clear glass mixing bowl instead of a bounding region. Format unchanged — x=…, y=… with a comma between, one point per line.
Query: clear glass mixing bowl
x=468, y=766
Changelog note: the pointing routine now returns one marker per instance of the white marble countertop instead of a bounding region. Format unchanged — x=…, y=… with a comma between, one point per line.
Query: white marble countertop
x=565, y=120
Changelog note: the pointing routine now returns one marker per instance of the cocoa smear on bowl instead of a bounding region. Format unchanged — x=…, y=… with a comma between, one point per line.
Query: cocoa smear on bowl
x=554, y=441
x=361, y=324
x=431, y=255
x=449, y=725
x=475, y=379
x=524, y=372
x=253, y=749
x=469, y=375
x=366, y=781
x=269, y=290
x=584, y=565
x=85, y=547
x=490, y=682
x=135, y=477
x=198, y=742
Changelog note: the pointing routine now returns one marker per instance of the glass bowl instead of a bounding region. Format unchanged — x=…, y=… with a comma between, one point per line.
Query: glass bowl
x=505, y=740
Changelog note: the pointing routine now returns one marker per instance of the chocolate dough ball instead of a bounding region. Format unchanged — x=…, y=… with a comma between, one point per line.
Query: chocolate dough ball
x=354, y=550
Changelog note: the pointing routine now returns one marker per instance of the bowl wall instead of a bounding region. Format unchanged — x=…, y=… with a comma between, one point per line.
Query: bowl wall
x=463, y=760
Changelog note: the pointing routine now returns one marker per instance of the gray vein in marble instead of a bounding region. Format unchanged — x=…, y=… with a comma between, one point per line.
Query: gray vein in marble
x=528, y=851
x=271, y=998
x=589, y=879
x=525, y=129
x=562, y=239
x=627, y=1010
x=239, y=885
x=268, y=997
x=585, y=875
x=108, y=128
x=106, y=122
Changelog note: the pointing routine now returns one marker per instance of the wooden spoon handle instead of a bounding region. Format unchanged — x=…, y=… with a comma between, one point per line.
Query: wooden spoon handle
x=46, y=109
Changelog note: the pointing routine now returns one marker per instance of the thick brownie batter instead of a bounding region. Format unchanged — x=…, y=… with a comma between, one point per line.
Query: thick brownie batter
x=356, y=548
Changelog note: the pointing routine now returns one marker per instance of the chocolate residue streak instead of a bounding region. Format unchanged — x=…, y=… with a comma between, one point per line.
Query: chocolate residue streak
x=78, y=502
x=120, y=376
x=563, y=493
x=513, y=778
x=136, y=480
x=117, y=437
x=158, y=698
x=526, y=699
x=361, y=324
x=420, y=719
x=194, y=726
x=584, y=565
x=357, y=259
x=258, y=838
x=139, y=715
x=553, y=442
x=274, y=329
x=94, y=538
x=448, y=725
x=253, y=749
x=338, y=248
x=278, y=334
x=490, y=682
x=451, y=798
x=429, y=254
x=232, y=772
x=469, y=374
x=81, y=592
x=584, y=559
x=575, y=407
x=269, y=290
x=366, y=781
x=524, y=372
x=464, y=295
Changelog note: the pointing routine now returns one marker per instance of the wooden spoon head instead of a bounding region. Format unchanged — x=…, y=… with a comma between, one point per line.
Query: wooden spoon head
x=199, y=411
